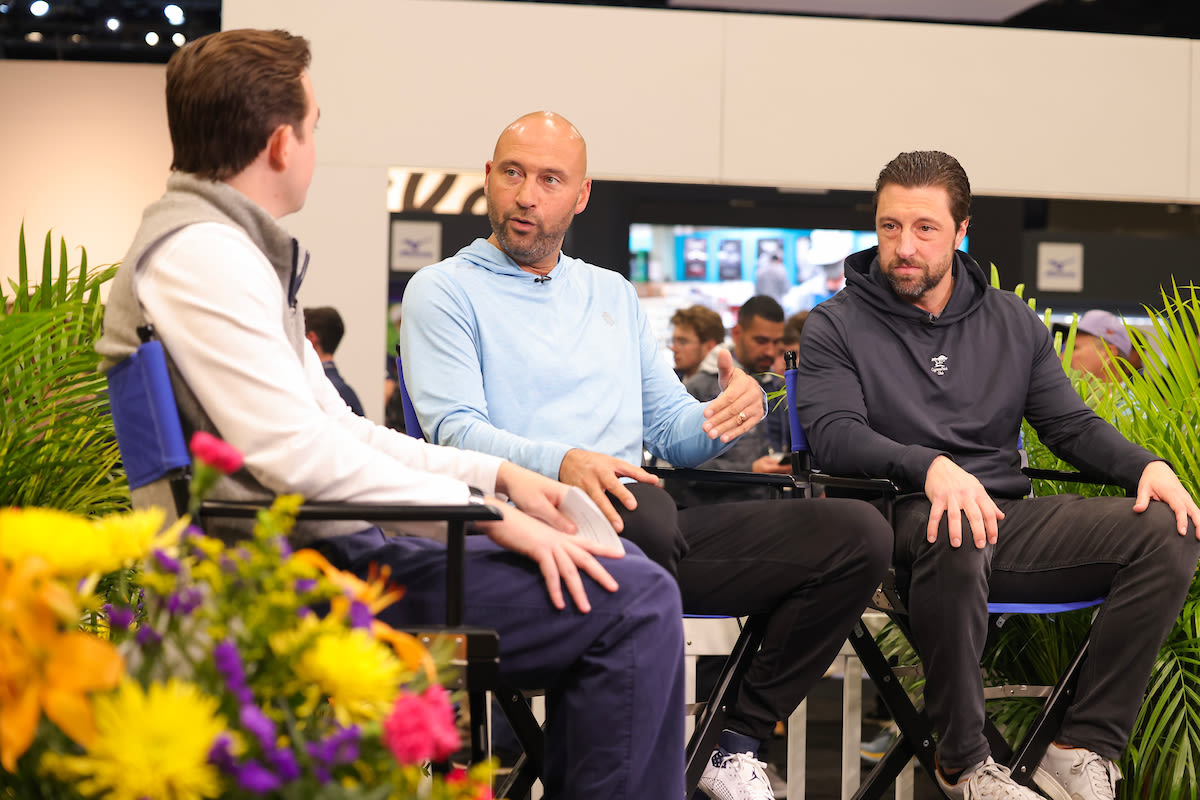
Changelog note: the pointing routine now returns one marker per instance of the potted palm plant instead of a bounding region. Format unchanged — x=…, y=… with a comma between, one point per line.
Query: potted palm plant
x=56, y=442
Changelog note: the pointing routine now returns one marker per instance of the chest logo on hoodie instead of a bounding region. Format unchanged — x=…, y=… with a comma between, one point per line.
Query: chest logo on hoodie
x=607, y=317
x=939, y=364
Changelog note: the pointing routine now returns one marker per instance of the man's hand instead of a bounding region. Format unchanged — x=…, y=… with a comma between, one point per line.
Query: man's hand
x=738, y=407
x=559, y=556
x=1159, y=482
x=535, y=494
x=953, y=491
x=771, y=463
x=596, y=474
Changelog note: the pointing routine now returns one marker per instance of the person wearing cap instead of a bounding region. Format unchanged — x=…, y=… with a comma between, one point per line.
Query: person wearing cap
x=1100, y=336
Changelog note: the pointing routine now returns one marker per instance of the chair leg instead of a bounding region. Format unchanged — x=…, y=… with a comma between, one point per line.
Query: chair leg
x=708, y=725
x=530, y=765
x=1028, y=753
x=916, y=731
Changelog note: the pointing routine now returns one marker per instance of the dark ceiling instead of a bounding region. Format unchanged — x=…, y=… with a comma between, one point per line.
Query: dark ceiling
x=79, y=30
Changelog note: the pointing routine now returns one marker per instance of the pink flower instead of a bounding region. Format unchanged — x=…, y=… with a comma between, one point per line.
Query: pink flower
x=421, y=727
x=219, y=455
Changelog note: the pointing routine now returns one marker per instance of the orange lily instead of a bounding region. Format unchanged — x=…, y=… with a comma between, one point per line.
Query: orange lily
x=42, y=667
x=376, y=594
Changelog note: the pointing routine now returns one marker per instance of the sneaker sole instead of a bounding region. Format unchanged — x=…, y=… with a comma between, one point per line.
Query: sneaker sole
x=1049, y=786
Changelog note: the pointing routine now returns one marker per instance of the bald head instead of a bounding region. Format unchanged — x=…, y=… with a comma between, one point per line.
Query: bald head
x=535, y=184
x=546, y=127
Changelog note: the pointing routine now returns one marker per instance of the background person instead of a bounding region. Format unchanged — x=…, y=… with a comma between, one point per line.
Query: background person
x=695, y=331
x=324, y=329
x=1100, y=336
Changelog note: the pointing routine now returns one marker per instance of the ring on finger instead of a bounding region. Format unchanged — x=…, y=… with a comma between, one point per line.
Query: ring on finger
x=741, y=418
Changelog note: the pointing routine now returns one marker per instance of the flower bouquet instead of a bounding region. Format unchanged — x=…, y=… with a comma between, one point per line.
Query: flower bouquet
x=137, y=662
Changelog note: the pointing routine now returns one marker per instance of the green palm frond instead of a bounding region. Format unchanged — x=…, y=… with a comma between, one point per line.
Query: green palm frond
x=56, y=441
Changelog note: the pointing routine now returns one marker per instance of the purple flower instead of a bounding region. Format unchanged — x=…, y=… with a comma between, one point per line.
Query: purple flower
x=255, y=721
x=256, y=779
x=166, y=563
x=284, y=762
x=285, y=549
x=185, y=601
x=147, y=636
x=360, y=615
x=119, y=617
x=220, y=754
x=305, y=585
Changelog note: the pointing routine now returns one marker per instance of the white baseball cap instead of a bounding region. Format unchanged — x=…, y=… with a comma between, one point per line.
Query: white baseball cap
x=1106, y=326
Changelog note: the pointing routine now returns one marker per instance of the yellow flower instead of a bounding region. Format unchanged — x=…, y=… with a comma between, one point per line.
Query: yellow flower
x=151, y=744
x=360, y=676
x=376, y=594
x=42, y=667
x=75, y=546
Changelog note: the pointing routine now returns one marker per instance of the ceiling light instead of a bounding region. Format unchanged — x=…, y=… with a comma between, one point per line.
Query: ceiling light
x=33, y=36
x=152, y=38
x=174, y=14
x=3, y=8
x=39, y=8
x=179, y=39
x=113, y=24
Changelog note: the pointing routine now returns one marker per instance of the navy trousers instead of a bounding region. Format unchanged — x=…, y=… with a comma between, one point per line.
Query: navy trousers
x=1049, y=549
x=613, y=677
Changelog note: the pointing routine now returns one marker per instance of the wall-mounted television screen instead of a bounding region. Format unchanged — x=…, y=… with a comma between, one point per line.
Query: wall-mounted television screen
x=674, y=266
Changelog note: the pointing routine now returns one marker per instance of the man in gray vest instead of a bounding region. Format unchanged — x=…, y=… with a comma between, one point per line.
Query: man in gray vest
x=217, y=276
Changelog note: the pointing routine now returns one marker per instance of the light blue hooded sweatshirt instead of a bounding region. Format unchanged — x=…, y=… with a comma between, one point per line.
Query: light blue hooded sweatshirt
x=497, y=360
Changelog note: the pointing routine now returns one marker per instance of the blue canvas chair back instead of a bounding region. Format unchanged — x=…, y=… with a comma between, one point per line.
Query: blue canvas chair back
x=412, y=425
x=145, y=417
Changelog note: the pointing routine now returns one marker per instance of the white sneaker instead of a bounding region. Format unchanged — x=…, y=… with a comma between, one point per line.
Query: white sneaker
x=1076, y=773
x=988, y=781
x=736, y=776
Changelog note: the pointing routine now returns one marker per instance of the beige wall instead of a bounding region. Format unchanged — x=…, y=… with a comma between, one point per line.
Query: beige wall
x=661, y=95
x=85, y=149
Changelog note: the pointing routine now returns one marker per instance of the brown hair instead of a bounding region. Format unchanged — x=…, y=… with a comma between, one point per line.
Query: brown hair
x=227, y=92
x=704, y=321
x=793, y=327
x=929, y=168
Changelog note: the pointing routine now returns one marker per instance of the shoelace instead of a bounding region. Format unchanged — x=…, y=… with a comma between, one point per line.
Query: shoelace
x=751, y=771
x=992, y=781
x=1101, y=773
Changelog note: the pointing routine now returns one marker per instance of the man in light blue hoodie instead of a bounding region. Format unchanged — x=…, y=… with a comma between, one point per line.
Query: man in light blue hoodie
x=512, y=348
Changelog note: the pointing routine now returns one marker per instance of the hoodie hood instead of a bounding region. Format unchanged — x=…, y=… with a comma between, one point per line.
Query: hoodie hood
x=482, y=253
x=865, y=279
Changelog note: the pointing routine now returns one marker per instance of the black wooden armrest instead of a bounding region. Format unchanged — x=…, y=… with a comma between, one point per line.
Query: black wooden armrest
x=371, y=512
x=723, y=476
x=455, y=515
x=882, y=486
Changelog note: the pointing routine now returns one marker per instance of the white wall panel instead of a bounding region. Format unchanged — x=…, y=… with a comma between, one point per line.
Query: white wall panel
x=1194, y=131
x=825, y=103
x=431, y=84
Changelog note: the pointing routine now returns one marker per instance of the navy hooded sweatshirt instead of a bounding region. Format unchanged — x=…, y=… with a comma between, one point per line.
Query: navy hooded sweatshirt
x=886, y=387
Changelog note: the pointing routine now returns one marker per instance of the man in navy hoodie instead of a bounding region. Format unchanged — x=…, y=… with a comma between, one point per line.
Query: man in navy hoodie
x=921, y=373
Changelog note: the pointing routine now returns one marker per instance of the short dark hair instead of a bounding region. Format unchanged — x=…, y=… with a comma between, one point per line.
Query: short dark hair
x=760, y=305
x=327, y=324
x=227, y=92
x=793, y=327
x=929, y=168
x=703, y=320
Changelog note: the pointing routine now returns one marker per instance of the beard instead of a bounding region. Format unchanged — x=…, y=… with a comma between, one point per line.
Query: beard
x=914, y=287
x=541, y=243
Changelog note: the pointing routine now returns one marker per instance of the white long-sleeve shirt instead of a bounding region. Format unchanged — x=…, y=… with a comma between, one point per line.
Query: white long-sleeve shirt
x=215, y=303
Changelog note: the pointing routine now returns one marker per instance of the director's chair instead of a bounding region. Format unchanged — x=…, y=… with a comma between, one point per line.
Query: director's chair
x=156, y=460
x=915, y=738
